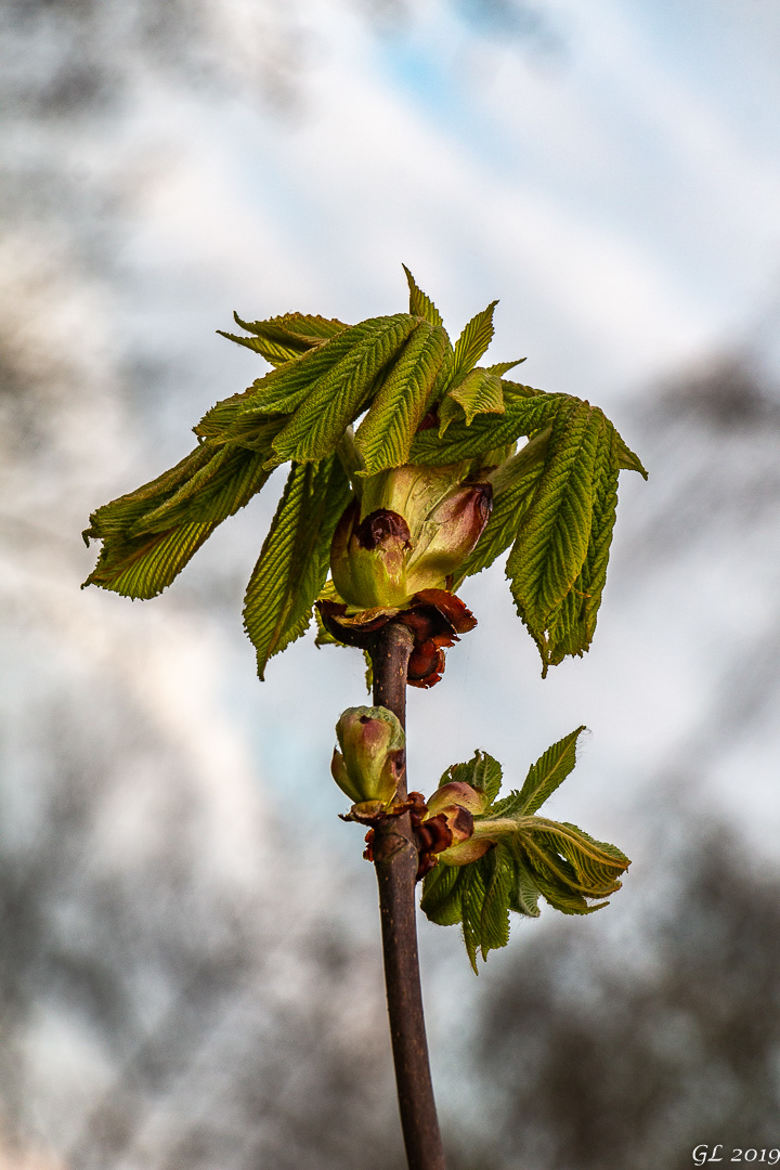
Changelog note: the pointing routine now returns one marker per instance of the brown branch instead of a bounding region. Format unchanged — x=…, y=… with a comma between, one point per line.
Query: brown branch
x=395, y=856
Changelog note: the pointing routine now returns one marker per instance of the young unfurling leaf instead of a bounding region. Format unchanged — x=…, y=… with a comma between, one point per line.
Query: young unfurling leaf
x=527, y=856
x=420, y=304
x=282, y=339
x=474, y=340
x=423, y=411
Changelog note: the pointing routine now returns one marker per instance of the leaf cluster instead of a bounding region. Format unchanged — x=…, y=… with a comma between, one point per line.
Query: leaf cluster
x=531, y=856
x=413, y=397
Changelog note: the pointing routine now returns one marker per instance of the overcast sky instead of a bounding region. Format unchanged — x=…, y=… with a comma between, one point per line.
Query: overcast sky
x=615, y=182
x=612, y=176
x=609, y=170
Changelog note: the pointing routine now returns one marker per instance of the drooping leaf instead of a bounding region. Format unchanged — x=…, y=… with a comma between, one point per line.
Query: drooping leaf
x=514, y=485
x=142, y=567
x=552, y=545
x=385, y=435
x=293, y=563
x=230, y=478
x=281, y=339
x=118, y=517
x=558, y=564
x=474, y=340
x=567, y=857
x=318, y=374
x=561, y=898
x=473, y=891
x=318, y=424
x=499, y=884
x=573, y=624
x=150, y=534
x=530, y=856
x=441, y=894
x=627, y=460
x=421, y=305
x=524, y=898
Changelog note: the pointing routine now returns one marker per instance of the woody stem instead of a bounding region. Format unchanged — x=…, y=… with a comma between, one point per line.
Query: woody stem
x=395, y=856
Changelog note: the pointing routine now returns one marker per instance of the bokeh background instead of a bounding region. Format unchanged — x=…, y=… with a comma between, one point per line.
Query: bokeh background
x=189, y=968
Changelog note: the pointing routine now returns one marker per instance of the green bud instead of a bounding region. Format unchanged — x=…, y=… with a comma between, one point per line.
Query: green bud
x=458, y=803
x=368, y=558
x=371, y=759
x=464, y=852
x=412, y=530
x=457, y=792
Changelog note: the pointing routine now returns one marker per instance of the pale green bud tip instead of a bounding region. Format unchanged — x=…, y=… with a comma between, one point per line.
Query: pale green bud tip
x=464, y=852
x=450, y=533
x=454, y=807
x=460, y=793
x=425, y=525
x=370, y=762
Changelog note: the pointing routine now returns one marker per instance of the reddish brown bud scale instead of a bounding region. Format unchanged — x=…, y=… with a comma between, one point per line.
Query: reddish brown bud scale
x=434, y=616
x=380, y=526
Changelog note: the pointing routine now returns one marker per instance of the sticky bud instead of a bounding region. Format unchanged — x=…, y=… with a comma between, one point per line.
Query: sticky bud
x=413, y=530
x=457, y=792
x=369, y=764
x=453, y=806
x=463, y=852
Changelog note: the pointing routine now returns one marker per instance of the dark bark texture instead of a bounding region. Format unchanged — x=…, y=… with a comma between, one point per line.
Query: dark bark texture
x=395, y=856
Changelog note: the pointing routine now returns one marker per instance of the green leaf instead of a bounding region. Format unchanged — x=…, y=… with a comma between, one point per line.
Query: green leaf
x=419, y=304
x=384, y=437
x=558, y=564
x=473, y=891
x=554, y=501
x=525, y=894
x=143, y=567
x=340, y=395
x=478, y=392
x=549, y=771
x=514, y=485
x=281, y=339
x=530, y=856
x=441, y=894
x=150, y=534
x=501, y=368
x=230, y=478
x=572, y=628
x=561, y=898
x=478, y=896
x=627, y=460
x=481, y=772
x=293, y=563
x=498, y=877
x=119, y=516
x=316, y=374
x=552, y=545
x=566, y=856
x=474, y=340
x=524, y=413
